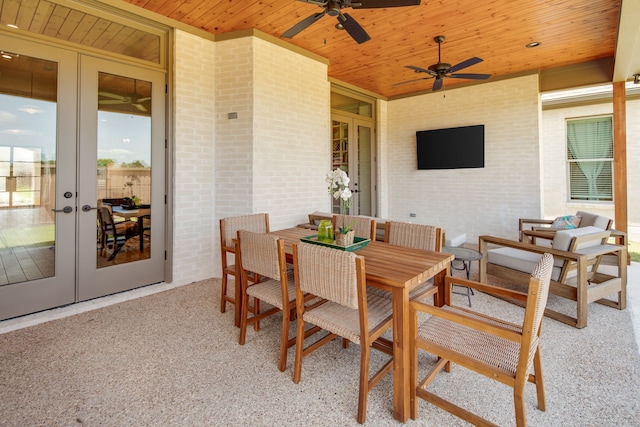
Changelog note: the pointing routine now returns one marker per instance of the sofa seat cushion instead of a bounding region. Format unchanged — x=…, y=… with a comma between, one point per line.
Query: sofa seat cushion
x=519, y=260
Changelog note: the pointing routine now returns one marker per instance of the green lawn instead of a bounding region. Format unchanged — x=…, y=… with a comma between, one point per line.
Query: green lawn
x=634, y=251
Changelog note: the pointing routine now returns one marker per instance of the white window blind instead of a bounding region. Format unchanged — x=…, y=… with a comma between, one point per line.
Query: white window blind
x=590, y=157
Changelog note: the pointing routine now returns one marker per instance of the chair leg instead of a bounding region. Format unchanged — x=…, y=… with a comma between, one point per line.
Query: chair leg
x=518, y=398
x=284, y=340
x=363, y=394
x=537, y=366
x=297, y=368
x=243, y=318
x=223, y=295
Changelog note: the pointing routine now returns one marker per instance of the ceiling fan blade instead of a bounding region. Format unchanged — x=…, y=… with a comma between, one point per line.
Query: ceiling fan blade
x=372, y=4
x=303, y=24
x=112, y=96
x=145, y=99
x=140, y=107
x=464, y=64
x=112, y=101
x=437, y=85
x=353, y=28
x=421, y=70
x=411, y=81
x=471, y=76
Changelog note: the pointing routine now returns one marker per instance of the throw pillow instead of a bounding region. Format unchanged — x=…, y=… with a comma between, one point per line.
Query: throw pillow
x=566, y=222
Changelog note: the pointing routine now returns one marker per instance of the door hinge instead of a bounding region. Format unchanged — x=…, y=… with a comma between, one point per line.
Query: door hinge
x=165, y=255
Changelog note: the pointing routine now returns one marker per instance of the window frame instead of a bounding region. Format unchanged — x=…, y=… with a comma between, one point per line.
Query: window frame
x=570, y=160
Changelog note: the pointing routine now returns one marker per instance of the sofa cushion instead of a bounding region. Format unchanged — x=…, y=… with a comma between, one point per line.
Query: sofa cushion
x=590, y=219
x=520, y=260
x=566, y=222
x=562, y=238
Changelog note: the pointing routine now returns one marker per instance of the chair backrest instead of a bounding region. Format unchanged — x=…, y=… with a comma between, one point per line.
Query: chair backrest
x=229, y=227
x=538, y=293
x=364, y=227
x=328, y=273
x=418, y=236
x=593, y=220
x=262, y=254
x=106, y=218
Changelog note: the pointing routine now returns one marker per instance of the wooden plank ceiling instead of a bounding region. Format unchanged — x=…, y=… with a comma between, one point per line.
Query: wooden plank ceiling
x=569, y=32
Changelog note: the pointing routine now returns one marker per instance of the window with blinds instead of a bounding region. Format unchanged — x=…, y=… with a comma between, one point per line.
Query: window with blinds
x=590, y=158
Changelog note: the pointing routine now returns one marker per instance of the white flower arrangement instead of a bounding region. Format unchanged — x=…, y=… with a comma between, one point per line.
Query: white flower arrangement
x=338, y=187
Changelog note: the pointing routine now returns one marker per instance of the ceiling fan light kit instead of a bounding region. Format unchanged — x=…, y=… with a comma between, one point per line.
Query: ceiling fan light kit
x=441, y=70
x=345, y=21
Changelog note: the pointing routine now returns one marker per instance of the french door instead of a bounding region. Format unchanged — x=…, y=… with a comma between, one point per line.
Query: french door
x=77, y=133
x=353, y=151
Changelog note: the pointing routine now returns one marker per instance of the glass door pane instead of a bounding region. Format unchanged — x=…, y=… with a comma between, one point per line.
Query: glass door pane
x=123, y=169
x=37, y=233
x=363, y=183
x=340, y=153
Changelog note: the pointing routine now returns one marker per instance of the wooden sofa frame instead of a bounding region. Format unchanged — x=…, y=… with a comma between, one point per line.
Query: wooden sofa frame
x=590, y=286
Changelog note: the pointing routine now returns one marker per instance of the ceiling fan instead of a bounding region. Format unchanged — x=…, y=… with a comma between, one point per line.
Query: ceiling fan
x=441, y=70
x=345, y=21
x=115, y=99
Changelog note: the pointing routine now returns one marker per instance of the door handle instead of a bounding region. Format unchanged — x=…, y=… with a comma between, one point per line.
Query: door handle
x=87, y=208
x=66, y=209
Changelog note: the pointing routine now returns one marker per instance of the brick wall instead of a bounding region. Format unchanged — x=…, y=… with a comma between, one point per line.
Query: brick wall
x=194, y=247
x=477, y=201
x=263, y=160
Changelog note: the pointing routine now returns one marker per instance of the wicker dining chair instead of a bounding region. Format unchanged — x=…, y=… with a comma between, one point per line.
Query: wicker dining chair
x=338, y=279
x=500, y=350
x=418, y=236
x=228, y=230
x=364, y=226
x=264, y=255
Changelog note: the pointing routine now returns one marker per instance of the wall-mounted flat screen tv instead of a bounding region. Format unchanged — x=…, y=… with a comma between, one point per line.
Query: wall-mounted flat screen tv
x=452, y=148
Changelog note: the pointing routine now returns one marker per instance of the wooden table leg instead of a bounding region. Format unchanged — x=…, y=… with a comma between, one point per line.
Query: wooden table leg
x=401, y=354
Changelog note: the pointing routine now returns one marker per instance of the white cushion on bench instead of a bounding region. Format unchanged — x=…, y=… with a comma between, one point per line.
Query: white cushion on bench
x=521, y=260
x=517, y=259
x=455, y=238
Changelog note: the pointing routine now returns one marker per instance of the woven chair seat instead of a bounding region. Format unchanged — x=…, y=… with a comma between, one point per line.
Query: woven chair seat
x=492, y=350
x=270, y=291
x=344, y=321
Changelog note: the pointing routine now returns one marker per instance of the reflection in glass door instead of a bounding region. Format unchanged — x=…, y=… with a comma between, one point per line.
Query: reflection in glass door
x=123, y=169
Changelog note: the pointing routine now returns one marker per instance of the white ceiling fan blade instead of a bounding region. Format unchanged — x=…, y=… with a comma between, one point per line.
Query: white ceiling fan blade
x=113, y=96
x=113, y=102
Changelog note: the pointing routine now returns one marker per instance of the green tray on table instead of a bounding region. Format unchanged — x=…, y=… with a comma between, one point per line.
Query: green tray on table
x=358, y=243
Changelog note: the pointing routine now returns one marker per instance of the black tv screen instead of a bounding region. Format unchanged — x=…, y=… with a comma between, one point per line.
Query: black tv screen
x=452, y=148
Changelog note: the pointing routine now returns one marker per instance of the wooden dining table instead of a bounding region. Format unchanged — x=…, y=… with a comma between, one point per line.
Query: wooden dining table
x=128, y=214
x=396, y=269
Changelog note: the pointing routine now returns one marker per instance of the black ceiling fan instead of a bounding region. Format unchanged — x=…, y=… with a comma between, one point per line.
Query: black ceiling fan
x=441, y=70
x=345, y=21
